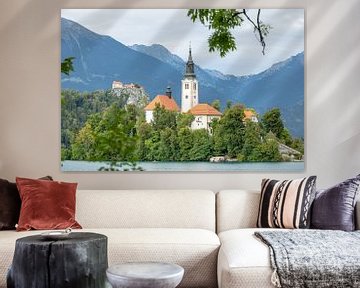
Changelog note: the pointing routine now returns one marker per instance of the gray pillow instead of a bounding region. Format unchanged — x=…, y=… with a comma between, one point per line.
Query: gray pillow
x=334, y=208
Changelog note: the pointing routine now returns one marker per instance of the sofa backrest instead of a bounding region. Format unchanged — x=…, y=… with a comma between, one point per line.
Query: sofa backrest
x=146, y=209
x=239, y=209
x=236, y=209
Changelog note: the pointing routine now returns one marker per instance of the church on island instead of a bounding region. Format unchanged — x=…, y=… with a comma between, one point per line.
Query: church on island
x=203, y=113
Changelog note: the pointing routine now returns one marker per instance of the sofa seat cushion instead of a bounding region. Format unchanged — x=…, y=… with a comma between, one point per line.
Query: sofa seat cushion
x=196, y=250
x=244, y=261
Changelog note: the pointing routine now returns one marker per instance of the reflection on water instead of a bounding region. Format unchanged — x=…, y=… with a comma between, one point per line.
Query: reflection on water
x=67, y=166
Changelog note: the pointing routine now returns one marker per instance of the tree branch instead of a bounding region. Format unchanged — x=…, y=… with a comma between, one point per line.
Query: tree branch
x=263, y=44
x=257, y=28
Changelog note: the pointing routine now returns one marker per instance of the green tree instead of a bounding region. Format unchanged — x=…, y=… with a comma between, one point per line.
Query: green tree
x=163, y=118
x=77, y=107
x=108, y=136
x=152, y=146
x=228, y=104
x=67, y=65
x=272, y=122
x=115, y=136
x=222, y=21
x=202, y=146
x=67, y=137
x=231, y=131
x=132, y=112
x=84, y=146
x=216, y=104
x=219, y=144
x=252, y=141
x=298, y=144
x=144, y=132
x=168, y=145
x=65, y=153
x=185, y=142
x=184, y=120
x=268, y=151
x=285, y=137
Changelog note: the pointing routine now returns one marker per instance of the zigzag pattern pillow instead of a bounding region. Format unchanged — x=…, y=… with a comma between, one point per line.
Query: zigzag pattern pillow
x=286, y=204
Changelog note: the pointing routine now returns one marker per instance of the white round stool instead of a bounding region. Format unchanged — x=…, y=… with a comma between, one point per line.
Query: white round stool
x=145, y=275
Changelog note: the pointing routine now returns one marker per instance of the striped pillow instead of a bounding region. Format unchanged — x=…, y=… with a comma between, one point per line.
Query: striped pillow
x=286, y=204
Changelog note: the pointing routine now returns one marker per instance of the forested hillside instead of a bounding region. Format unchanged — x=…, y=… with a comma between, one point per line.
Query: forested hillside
x=102, y=126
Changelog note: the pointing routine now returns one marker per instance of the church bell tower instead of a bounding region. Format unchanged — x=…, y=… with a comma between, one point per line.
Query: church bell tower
x=189, y=86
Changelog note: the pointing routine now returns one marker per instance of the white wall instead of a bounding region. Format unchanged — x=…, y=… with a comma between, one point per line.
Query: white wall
x=30, y=94
x=200, y=122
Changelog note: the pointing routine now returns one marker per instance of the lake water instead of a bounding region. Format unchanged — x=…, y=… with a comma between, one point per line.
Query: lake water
x=68, y=166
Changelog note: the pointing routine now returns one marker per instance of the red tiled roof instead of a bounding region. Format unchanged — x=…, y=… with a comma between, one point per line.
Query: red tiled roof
x=249, y=113
x=164, y=101
x=204, y=109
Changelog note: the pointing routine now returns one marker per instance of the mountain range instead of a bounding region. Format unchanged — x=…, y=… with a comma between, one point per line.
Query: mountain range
x=100, y=59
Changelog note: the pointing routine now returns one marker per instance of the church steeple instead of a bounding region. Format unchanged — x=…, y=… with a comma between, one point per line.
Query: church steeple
x=189, y=86
x=189, y=71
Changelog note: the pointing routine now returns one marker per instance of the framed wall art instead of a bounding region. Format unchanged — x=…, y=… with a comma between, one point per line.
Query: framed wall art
x=182, y=90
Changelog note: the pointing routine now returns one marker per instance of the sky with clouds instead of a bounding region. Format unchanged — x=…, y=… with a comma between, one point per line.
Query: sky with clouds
x=174, y=30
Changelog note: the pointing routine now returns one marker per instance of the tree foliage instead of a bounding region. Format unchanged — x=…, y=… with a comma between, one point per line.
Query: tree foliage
x=216, y=104
x=221, y=22
x=163, y=118
x=111, y=136
x=252, y=141
x=67, y=65
x=98, y=126
x=201, y=147
x=184, y=120
x=77, y=107
x=268, y=151
x=272, y=122
x=231, y=129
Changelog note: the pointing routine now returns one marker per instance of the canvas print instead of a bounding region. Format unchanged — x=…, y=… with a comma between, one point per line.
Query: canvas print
x=182, y=90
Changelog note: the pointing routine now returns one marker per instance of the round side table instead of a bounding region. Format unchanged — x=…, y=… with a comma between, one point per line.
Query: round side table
x=145, y=275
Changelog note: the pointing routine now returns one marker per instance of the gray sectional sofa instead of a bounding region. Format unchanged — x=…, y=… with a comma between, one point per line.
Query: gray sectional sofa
x=210, y=235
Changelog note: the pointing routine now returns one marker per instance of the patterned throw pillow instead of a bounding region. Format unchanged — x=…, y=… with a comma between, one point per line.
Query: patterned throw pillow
x=286, y=204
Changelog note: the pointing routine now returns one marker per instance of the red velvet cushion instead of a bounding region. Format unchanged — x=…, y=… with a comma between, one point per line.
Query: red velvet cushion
x=46, y=204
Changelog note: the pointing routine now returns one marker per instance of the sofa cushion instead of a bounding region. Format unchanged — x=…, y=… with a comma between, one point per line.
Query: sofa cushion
x=244, y=261
x=10, y=204
x=334, y=208
x=146, y=209
x=46, y=204
x=286, y=204
x=194, y=249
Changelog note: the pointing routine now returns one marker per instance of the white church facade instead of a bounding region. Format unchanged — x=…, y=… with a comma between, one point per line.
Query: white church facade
x=203, y=113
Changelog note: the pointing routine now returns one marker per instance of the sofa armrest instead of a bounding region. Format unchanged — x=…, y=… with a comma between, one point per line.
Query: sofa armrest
x=357, y=215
